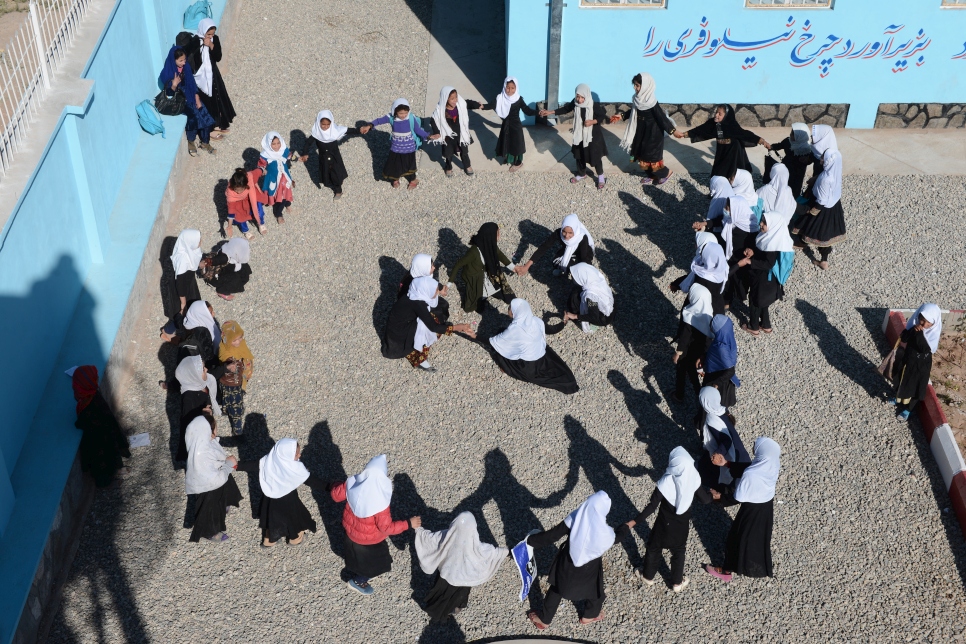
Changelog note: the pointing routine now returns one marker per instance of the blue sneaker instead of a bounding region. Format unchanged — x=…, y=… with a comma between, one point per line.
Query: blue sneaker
x=904, y=415
x=892, y=401
x=361, y=587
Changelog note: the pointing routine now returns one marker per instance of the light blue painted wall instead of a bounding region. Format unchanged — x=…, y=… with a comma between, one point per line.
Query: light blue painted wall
x=605, y=47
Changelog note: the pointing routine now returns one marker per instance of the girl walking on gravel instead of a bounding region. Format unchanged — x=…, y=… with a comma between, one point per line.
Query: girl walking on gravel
x=482, y=268
x=367, y=523
x=245, y=202
x=644, y=134
x=209, y=476
x=769, y=265
x=407, y=136
x=234, y=350
x=921, y=340
x=693, y=339
x=589, y=147
x=277, y=184
x=721, y=441
x=508, y=105
x=328, y=136
x=573, y=245
x=452, y=120
x=823, y=224
x=720, y=361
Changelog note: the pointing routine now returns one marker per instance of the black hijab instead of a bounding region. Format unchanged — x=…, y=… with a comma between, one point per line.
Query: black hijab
x=728, y=126
x=485, y=240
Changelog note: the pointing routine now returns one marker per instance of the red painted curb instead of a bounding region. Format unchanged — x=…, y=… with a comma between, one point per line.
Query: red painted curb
x=894, y=327
x=957, y=494
x=931, y=413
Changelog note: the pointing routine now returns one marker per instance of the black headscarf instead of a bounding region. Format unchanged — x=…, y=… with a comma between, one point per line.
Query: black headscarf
x=485, y=240
x=728, y=126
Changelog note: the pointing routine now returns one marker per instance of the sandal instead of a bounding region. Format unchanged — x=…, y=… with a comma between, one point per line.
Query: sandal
x=280, y=219
x=584, y=621
x=192, y=149
x=226, y=297
x=449, y=173
x=646, y=181
x=748, y=329
x=395, y=184
x=221, y=537
x=216, y=135
x=577, y=178
x=299, y=541
x=601, y=184
x=664, y=180
x=268, y=544
x=413, y=184
x=769, y=330
x=821, y=264
x=470, y=172
x=514, y=168
x=536, y=621
x=262, y=230
x=248, y=236
x=717, y=573
x=207, y=148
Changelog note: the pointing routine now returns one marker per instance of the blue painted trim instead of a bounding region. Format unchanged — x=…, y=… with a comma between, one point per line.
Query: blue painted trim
x=84, y=192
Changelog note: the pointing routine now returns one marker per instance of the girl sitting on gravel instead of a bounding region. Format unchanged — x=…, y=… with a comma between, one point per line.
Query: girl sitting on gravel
x=452, y=120
x=921, y=339
x=226, y=267
x=589, y=147
x=721, y=441
x=277, y=184
x=209, y=476
x=508, y=106
x=482, y=267
x=327, y=137
x=245, y=202
x=234, y=350
x=573, y=243
x=367, y=523
x=591, y=302
x=407, y=136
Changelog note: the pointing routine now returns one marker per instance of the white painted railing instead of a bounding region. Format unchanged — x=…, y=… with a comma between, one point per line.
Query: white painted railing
x=27, y=64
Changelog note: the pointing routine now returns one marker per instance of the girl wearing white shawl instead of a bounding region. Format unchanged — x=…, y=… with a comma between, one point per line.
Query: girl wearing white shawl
x=367, y=523
x=674, y=494
x=424, y=289
x=185, y=258
x=508, y=105
x=462, y=562
x=199, y=393
x=327, y=136
x=277, y=183
x=776, y=196
x=738, y=233
x=591, y=302
x=577, y=571
x=647, y=123
x=521, y=352
x=694, y=336
x=422, y=266
x=208, y=474
x=588, y=145
x=914, y=364
x=204, y=53
x=573, y=243
x=452, y=120
x=233, y=272
x=709, y=268
x=798, y=156
x=823, y=225
x=748, y=549
x=722, y=444
x=744, y=186
x=769, y=265
x=721, y=190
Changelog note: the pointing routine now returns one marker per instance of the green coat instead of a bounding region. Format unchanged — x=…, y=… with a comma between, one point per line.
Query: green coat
x=472, y=266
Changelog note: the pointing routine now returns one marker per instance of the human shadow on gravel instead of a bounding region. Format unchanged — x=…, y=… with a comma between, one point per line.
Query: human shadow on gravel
x=323, y=458
x=257, y=442
x=168, y=356
x=390, y=277
x=221, y=206
x=378, y=142
x=250, y=157
x=872, y=318
x=532, y=234
x=668, y=230
x=450, y=249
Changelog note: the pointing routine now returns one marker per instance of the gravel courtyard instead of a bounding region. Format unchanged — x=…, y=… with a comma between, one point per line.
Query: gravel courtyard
x=866, y=547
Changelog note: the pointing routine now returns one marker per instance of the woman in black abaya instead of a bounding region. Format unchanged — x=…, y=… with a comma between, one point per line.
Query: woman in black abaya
x=914, y=363
x=730, y=141
x=208, y=475
x=204, y=54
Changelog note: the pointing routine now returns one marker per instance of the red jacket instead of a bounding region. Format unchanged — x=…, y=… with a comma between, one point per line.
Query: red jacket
x=368, y=531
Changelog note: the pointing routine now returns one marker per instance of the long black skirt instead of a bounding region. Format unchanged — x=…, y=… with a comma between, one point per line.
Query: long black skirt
x=726, y=386
x=400, y=166
x=550, y=371
x=824, y=229
x=367, y=561
x=230, y=281
x=576, y=583
x=218, y=104
x=764, y=292
x=284, y=517
x=511, y=141
x=729, y=158
x=748, y=551
x=915, y=370
x=211, y=508
x=444, y=598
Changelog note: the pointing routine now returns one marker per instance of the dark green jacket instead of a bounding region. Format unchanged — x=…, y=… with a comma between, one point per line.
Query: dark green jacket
x=472, y=266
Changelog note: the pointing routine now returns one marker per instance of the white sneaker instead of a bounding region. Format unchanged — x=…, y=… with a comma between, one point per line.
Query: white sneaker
x=679, y=587
x=649, y=582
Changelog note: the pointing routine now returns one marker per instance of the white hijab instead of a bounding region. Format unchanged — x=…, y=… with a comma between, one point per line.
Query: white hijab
x=583, y=135
x=334, y=133
x=424, y=289
x=757, y=484
x=744, y=187
x=644, y=99
x=573, y=222
x=278, y=471
x=590, y=536
x=823, y=139
x=777, y=238
x=740, y=217
x=439, y=117
x=503, y=102
x=595, y=289
x=207, y=469
x=421, y=266
x=710, y=399
x=458, y=554
x=721, y=190
x=709, y=262
x=800, y=139
x=199, y=315
x=190, y=375
x=680, y=481
x=699, y=313
x=392, y=110
x=204, y=76
x=525, y=338
x=187, y=251
x=933, y=314
x=776, y=195
x=369, y=492
x=271, y=156
x=828, y=186
x=238, y=251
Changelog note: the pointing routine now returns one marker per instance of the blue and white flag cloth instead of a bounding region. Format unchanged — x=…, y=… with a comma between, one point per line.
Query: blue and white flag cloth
x=523, y=557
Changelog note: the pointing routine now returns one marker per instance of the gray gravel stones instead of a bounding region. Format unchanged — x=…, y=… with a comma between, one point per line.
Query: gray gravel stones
x=865, y=545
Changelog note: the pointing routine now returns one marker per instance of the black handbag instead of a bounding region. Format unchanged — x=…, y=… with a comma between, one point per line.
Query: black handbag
x=170, y=105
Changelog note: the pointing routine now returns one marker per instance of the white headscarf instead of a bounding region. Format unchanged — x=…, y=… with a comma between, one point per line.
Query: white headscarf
x=800, y=139
x=710, y=399
x=744, y=187
x=721, y=190
x=757, y=484
x=823, y=139
x=439, y=116
x=199, y=315
x=680, y=481
x=204, y=76
x=271, y=156
x=583, y=135
x=828, y=186
x=933, y=314
x=698, y=313
x=190, y=375
x=369, y=491
x=395, y=104
x=777, y=238
x=207, y=469
x=187, y=251
x=709, y=262
x=421, y=266
x=590, y=536
x=644, y=99
x=238, y=251
x=458, y=554
x=595, y=288
x=573, y=222
x=334, y=133
x=776, y=195
x=525, y=338
x=503, y=102
x=278, y=471
x=740, y=217
x=424, y=289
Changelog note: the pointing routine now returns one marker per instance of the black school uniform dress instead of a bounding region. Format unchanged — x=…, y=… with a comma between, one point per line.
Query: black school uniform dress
x=670, y=532
x=211, y=508
x=451, y=144
x=764, y=291
x=397, y=340
x=647, y=148
x=197, y=342
x=286, y=516
x=332, y=170
x=511, y=143
x=731, y=140
x=550, y=371
x=593, y=316
x=444, y=598
x=593, y=154
x=186, y=286
x=717, y=299
x=219, y=103
x=739, y=280
x=748, y=549
x=692, y=345
x=584, y=252
x=228, y=281
x=797, y=164
x=102, y=444
x=440, y=311
x=914, y=364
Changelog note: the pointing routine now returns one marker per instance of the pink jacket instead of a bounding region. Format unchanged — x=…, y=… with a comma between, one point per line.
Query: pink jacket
x=368, y=531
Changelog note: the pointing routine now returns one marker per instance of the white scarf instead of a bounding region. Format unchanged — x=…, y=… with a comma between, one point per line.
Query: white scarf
x=698, y=313
x=800, y=139
x=744, y=187
x=439, y=117
x=740, y=217
x=710, y=399
x=369, y=492
x=573, y=222
x=933, y=314
x=238, y=251
x=458, y=554
x=776, y=195
x=503, y=102
x=709, y=262
x=334, y=133
x=271, y=156
x=828, y=186
x=720, y=191
x=207, y=468
x=644, y=99
x=590, y=536
x=525, y=338
x=199, y=315
x=583, y=135
x=204, y=76
x=278, y=471
x=424, y=289
x=777, y=238
x=187, y=251
x=190, y=375
x=823, y=140
x=421, y=266
x=757, y=484
x=680, y=481
x=595, y=289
